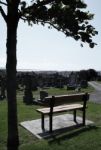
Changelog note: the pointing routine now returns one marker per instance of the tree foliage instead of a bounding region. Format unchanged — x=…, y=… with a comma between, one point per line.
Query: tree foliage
x=67, y=16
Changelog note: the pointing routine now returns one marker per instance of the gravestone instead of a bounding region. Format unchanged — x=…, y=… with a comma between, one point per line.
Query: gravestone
x=84, y=84
x=28, y=96
x=73, y=81
x=43, y=94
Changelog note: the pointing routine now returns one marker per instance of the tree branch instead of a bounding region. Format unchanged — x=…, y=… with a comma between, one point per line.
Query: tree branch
x=41, y=3
x=49, y=24
x=57, y=28
x=24, y=18
x=3, y=14
x=3, y=3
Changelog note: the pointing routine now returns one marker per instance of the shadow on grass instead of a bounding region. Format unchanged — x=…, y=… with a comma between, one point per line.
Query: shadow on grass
x=70, y=132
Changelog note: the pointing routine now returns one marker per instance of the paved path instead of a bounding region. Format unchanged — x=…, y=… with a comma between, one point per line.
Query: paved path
x=61, y=124
x=96, y=95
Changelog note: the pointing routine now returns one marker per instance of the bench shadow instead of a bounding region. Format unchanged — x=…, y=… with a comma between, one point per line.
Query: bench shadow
x=69, y=132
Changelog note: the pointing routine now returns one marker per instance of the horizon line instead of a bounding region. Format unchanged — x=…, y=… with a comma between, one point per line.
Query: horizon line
x=49, y=70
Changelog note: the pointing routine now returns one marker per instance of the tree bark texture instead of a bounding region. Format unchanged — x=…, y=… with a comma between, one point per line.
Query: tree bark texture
x=12, y=24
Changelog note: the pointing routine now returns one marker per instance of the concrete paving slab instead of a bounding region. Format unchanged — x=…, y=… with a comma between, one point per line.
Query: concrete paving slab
x=60, y=124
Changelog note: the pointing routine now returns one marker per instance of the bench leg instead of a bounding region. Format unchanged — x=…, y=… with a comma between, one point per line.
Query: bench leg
x=42, y=122
x=84, y=117
x=75, y=116
x=50, y=122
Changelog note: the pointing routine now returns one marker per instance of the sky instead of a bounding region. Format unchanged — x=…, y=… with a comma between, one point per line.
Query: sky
x=40, y=48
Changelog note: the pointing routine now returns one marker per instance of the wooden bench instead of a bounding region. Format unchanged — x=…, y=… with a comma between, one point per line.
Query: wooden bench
x=63, y=103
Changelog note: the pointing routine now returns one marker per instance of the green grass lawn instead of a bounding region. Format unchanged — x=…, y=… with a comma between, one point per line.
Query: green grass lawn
x=85, y=138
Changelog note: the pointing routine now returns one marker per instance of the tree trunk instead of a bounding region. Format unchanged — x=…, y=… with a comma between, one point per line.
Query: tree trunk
x=12, y=23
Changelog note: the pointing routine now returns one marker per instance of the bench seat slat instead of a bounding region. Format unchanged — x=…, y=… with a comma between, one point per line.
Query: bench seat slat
x=61, y=108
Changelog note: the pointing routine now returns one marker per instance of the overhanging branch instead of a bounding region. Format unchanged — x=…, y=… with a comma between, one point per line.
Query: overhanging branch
x=3, y=3
x=3, y=14
x=36, y=5
x=47, y=22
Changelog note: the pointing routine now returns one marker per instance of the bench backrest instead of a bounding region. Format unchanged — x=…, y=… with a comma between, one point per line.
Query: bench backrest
x=66, y=99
